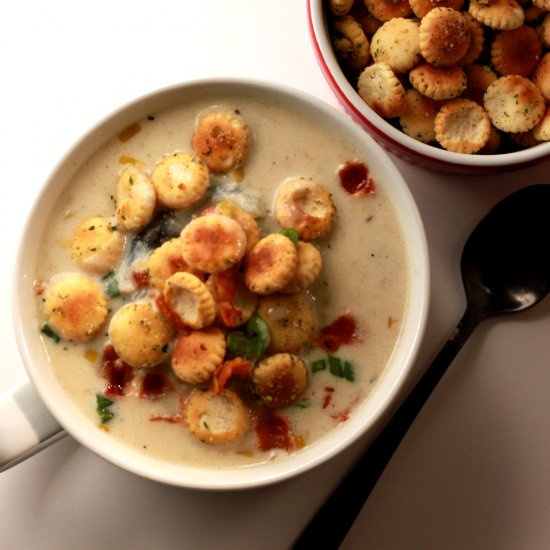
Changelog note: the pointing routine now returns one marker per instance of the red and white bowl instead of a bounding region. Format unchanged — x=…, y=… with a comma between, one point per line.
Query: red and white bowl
x=392, y=139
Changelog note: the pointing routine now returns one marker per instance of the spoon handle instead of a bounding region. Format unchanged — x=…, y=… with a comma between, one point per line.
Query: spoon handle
x=336, y=516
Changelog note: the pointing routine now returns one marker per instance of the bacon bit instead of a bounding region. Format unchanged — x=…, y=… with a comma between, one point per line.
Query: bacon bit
x=117, y=373
x=225, y=290
x=155, y=384
x=39, y=287
x=345, y=414
x=341, y=417
x=339, y=332
x=171, y=419
x=141, y=278
x=229, y=314
x=328, y=396
x=128, y=133
x=355, y=179
x=392, y=321
x=235, y=367
x=273, y=431
x=181, y=186
x=109, y=353
x=170, y=314
x=226, y=284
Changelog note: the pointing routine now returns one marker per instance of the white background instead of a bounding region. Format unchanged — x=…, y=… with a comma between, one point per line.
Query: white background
x=473, y=471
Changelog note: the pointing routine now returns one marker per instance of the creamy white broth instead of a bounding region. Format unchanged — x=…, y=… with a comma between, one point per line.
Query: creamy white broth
x=364, y=272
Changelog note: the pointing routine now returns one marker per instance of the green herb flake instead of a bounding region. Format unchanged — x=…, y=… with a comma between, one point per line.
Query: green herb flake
x=318, y=365
x=349, y=371
x=108, y=274
x=102, y=408
x=112, y=289
x=335, y=366
x=291, y=234
x=111, y=284
x=48, y=331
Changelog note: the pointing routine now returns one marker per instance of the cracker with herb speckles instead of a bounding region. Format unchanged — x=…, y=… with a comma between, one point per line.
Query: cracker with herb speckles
x=418, y=119
x=444, y=36
x=438, y=82
x=462, y=126
x=350, y=42
x=498, y=14
x=514, y=103
x=397, y=43
x=381, y=90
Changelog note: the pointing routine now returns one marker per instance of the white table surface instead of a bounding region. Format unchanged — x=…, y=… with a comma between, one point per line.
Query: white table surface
x=474, y=470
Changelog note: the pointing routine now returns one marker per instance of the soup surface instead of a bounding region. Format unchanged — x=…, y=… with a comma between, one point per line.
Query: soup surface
x=359, y=297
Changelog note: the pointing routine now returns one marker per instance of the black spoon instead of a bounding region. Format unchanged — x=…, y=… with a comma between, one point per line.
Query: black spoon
x=505, y=267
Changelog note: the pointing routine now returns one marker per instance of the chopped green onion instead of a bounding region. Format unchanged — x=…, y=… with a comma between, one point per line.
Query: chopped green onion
x=105, y=415
x=291, y=233
x=254, y=342
x=335, y=366
x=318, y=365
x=238, y=344
x=50, y=333
x=258, y=330
x=103, y=404
x=349, y=372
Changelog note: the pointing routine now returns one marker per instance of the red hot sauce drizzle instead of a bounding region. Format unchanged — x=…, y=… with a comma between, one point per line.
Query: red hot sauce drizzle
x=328, y=396
x=141, y=278
x=273, y=431
x=117, y=373
x=355, y=179
x=339, y=332
x=155, y=384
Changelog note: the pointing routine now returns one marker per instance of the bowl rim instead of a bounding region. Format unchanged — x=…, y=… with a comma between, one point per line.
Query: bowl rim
x=58, y=402
x=381, y=128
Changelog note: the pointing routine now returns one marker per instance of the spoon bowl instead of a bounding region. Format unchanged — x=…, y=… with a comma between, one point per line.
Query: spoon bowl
x=506, y=261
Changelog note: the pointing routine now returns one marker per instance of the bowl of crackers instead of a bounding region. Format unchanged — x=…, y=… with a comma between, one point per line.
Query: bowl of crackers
x=461, y=85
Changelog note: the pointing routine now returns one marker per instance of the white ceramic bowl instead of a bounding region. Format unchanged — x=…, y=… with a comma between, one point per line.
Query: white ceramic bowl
x=391, y=138
x=366, y=415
